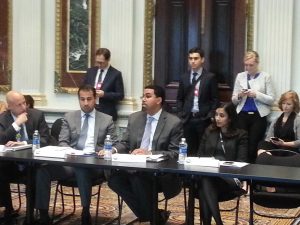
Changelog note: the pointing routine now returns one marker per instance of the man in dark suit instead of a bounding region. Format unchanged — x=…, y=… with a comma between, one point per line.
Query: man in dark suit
x=17, y=126
x=108, y=82
x=164, y=132
x=98, y=125
x=197, y=99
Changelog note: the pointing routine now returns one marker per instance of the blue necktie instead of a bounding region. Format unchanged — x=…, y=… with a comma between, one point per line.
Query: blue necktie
x=147, y=134
x=83, y=132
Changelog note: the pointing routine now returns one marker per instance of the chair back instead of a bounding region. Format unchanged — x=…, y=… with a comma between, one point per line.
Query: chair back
x=274, y=194
x=55, y=131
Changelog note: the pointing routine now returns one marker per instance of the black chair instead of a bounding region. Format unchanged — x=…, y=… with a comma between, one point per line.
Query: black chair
x=164, y=199
x=71, y=183
x=233, y=195
x=286, y=196
x=55, y=131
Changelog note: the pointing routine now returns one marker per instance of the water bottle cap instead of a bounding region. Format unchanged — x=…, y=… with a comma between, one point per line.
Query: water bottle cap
x=108, y=136
x=182, y=139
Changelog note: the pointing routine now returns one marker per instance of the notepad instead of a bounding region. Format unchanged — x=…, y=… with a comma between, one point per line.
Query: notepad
x=4, y=148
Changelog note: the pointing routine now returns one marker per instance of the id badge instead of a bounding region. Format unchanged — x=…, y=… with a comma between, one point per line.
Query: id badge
x=98, y=86
x=196, y=92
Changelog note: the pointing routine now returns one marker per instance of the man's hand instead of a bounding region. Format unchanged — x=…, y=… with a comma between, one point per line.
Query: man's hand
x=99, y=93
x=21, y=119
x=140, y=151
x=101, y=152
x=13, y=143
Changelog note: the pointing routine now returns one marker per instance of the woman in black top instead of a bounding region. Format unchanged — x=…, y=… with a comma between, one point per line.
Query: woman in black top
x=223, y=141
x=284, y=132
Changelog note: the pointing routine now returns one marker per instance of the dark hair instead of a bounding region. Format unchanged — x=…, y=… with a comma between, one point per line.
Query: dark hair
x=229, y=108
x=197, y=50
x=103, y=51
x=29, y=101
x=86, y=87
x=158, y=91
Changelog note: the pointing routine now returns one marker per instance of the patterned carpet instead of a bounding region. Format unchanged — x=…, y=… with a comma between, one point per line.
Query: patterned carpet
x=109, y=209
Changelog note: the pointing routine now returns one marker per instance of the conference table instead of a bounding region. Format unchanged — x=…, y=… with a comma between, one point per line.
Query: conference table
x=248, y=172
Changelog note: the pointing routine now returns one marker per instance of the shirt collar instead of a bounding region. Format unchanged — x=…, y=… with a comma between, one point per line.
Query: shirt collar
x=92, y=114
x=156, y=115
x=199, y=71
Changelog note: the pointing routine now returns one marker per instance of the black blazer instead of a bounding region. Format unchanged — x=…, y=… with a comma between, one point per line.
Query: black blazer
x=36, y=121
x=113, y=88
x=236, y=147
x=208, y=96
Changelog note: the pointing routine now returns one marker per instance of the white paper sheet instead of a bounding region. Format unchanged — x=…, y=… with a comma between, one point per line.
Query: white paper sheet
x=129, y=158
x=202, y=161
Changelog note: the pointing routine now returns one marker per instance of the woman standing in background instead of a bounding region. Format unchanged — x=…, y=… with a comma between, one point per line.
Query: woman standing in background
x=254, y=96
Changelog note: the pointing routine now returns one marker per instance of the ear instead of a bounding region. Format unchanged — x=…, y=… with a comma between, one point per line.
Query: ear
x=202, y=59
x=159, y=100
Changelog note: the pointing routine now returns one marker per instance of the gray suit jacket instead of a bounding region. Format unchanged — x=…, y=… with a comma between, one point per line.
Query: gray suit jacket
x=166, y=137
x=71, y=127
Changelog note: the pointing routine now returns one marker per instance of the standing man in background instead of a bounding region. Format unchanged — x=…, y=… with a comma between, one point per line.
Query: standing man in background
x=108, y=83
x=197, y=98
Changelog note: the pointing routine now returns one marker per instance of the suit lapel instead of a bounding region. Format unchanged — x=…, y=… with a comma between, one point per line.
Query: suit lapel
x=78, y=122
x=160, y=125
x=96, y=130
x=107, y=78
x=141, y=129
x=202, y=83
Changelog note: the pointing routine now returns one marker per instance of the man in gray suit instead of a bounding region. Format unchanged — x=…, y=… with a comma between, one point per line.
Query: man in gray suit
x=98, y=126
x=162, y=137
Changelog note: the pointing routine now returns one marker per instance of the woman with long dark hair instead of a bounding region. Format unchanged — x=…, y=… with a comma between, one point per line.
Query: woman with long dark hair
x=224, y=141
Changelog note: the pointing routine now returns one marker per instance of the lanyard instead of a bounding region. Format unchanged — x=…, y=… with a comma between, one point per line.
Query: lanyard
x=222, y=143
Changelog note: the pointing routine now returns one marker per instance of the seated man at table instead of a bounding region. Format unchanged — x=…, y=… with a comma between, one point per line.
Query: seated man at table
x=85, y=130
x=151, y=131
x=17, y=126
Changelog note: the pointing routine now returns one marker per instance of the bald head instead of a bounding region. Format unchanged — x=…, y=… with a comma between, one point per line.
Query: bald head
x=16, y=102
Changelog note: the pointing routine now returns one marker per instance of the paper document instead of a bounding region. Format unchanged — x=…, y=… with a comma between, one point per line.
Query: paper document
x=129, y=158
x=202, y=161
x=52, y=152
x=3, y=148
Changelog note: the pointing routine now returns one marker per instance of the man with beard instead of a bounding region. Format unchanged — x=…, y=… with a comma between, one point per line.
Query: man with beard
x=151, y=131
x=83, y=129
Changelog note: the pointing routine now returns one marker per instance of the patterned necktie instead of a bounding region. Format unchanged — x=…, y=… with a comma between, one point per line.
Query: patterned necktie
x=194, y=78
x=23, y=133
x=147, y=133
x=83, y=132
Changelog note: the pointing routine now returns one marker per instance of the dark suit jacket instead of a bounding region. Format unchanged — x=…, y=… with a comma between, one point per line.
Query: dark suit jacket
x=36, y=121
x=208, y=96
x=165, y=141
x=236, y=147
x=166, y=137
x=71, y=127
x=113, y=89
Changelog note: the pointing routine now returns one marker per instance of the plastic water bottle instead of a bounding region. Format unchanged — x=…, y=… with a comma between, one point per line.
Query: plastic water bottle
x=182, y=151
x=35, y=141
x=107, y=148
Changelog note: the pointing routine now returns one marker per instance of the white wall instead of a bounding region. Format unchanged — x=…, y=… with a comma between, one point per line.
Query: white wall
x=122, y=26
x=276, y=38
